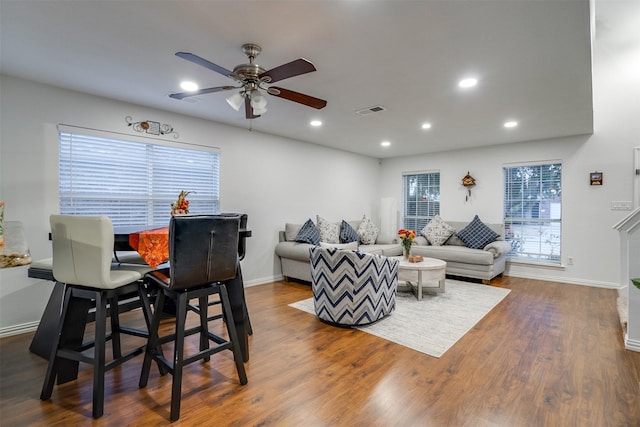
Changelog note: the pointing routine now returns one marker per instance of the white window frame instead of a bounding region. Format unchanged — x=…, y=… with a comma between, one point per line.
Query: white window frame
x=532, y=211
x=134, y=180
x=421, y=199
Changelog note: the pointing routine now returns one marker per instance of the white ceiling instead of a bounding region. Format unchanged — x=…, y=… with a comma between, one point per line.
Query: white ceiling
x=532, y=59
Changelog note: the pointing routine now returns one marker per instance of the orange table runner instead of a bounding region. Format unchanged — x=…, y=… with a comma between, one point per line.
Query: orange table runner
x=152, y=245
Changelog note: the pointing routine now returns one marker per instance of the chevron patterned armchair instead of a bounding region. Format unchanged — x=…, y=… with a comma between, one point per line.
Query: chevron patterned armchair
x=352, y=288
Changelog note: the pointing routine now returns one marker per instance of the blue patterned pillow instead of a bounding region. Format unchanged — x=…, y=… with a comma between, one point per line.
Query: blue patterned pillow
x=476, y=235
x=347, y=233
x=308, y=233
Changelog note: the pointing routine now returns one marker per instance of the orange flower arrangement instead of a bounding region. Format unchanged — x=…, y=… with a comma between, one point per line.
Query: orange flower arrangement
x=407, y=237
x=181, y=206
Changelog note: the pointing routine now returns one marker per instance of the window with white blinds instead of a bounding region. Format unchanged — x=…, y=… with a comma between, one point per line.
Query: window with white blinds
x=134, y=183
x=533, y=212
x=421, y=199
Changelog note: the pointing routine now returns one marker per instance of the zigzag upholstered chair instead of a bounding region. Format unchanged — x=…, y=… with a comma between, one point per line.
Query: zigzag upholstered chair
x=352, y=288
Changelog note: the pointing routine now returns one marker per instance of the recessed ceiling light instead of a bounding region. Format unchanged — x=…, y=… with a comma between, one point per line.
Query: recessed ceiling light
x=385, y=143
x=315, y=123
x=426, y=126
x=510, y=124
x=189, y=86
x=470, y=82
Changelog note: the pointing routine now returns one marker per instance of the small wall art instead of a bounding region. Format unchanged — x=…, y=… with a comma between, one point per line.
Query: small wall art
x=595, y=178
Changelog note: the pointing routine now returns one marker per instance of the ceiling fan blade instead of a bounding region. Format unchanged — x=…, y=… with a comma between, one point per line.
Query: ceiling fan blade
x=291, y=69
x=300, y=98
x=249, y=109
x=204, y=63
x=183, y=95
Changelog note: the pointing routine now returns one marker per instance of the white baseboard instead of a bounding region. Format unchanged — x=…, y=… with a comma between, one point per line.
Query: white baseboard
x=629, y=344
x=569, y=280
x=18, y=329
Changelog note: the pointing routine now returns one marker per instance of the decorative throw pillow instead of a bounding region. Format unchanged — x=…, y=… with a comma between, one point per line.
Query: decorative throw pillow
x=367, y=232
x=437, y=231
x=454, y=240
x=477, y=235
x=352, y=246
x=308, y=233
x=329, y=231
x=347, y=233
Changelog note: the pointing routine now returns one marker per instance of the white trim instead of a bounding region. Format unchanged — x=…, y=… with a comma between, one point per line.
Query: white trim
x=18, y=329
x=629, y=344
x=567, y=280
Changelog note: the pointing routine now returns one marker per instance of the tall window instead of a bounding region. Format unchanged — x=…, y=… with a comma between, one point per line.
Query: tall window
x=421, y=199
x=134, y=183
x=533, y=211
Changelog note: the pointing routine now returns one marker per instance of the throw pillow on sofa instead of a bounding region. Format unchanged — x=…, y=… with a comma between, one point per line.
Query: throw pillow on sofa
x=308, y=233
x=437, y=231
x=329, y=231
x=367, y=232
x=477, y=235
x=347, y=233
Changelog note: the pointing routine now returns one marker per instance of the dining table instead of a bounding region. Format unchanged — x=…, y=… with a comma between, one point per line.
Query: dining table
x=153, y=247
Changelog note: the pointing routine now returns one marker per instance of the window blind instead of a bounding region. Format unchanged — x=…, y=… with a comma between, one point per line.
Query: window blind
x=134, y=183
x=421, y=199
x=533, y=211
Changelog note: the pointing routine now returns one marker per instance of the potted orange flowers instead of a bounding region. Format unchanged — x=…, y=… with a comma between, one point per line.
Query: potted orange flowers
x=407, y=237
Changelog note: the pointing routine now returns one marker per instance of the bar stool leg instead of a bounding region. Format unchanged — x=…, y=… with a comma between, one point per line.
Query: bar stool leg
x=99, y=354
x=204, y=324
x=152, y=344
x=178, y=359
x=114, y=311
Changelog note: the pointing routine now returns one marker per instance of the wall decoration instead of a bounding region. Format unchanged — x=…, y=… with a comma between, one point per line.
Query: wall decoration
x=153, y=128
x=595, y=178
x=468, y=181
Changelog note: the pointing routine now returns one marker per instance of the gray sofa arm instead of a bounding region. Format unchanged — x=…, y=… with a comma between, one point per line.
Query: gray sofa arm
x=498, y=248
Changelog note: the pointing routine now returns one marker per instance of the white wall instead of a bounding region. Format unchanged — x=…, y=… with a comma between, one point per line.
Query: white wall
x=273, y=180
x=587, y=218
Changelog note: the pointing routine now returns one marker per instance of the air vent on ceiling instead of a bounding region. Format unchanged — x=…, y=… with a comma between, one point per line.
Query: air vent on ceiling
x=371, y=110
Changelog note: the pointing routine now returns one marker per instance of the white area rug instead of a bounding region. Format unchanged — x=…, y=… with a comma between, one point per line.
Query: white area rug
x=437, y=322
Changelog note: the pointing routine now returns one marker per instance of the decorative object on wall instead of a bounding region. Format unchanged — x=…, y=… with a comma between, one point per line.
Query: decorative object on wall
x=595, y=178
x=153, y=128
x=468, y=181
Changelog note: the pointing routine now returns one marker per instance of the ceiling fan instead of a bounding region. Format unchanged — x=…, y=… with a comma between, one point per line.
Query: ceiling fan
x=253, y=80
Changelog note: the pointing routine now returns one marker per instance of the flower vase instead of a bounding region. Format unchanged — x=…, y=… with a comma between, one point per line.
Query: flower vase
x=407, y=251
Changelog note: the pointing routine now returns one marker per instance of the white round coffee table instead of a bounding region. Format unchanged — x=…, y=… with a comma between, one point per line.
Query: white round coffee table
x=429, y=269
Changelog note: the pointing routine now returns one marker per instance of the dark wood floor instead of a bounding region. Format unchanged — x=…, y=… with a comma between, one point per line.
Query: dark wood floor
x=548, y=355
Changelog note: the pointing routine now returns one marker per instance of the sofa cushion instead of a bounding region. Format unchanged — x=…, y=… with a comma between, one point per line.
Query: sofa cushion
x=308, y=233
x=460, y=254
x=437, y=231
x=329, y=231
x=347, y=233
x=291, y=231
x=477, y=235
x=352, y=246
x=367, y=232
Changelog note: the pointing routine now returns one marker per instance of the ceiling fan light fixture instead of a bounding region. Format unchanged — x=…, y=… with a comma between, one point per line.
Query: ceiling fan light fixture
x=258, y=101
x=259, y=111
x=235, y=101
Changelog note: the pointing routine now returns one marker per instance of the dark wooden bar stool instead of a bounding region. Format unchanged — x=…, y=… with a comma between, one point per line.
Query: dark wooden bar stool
x=202, y=255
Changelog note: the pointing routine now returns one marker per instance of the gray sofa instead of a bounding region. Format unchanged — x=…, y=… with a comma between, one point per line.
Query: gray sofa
x=483, y=264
